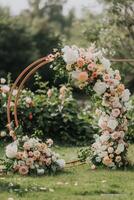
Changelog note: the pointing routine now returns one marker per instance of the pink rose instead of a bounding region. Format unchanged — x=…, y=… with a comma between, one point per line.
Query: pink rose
x=91, y=66
x=106, y=77
x=23, y=170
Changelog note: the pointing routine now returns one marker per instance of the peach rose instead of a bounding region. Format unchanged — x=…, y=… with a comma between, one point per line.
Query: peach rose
x=41, y=146
x=118, y=159
x=29, y=161
x=120, y=88
x=115, y=135
x=19, y=155
x=115, y=112
x=23, y=170
x=36, y=154
x=107, y=161
x=93, y=167
x=80, y=62
x=26, y=146
x=82, y=76
x=118, y=77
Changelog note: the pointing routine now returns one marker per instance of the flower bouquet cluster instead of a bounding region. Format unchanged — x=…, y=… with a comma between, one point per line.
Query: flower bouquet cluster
x=32, y=156
x=89, y=69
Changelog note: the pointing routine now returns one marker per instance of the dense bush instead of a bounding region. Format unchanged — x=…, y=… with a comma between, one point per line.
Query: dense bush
x=50, y=113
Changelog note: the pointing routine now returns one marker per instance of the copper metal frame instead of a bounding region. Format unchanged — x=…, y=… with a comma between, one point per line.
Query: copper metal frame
x=20, y=81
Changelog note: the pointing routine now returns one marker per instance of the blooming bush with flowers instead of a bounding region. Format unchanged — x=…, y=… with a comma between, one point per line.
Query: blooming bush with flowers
x=48, y=112
x=32, y=156
x=88, y=69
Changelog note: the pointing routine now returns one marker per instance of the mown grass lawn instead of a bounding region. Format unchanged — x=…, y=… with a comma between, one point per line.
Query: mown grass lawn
x=79, y=183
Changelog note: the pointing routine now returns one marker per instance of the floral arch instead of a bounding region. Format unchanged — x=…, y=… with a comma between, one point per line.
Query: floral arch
x=88, y=69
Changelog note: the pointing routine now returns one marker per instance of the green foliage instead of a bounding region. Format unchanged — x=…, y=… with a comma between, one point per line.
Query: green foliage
x=130, y=132
x=17, y=47
x=52, y=113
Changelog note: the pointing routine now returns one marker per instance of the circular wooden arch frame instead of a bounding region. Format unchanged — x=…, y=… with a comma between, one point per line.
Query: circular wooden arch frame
x=19, y=83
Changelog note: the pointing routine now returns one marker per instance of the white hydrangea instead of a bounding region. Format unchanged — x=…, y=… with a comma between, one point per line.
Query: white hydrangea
x=70, y=55
x=11, y=150
x=100, y=87
x=61, y=163
x=98, y=159
x=125, y=95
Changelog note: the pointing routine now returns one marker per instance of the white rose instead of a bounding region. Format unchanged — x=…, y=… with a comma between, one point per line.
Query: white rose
x=100, y=87
x=3, y=133
x=125, y=95
x=110, y=150
x=11, y=150
x=61, y=163
x=2, y=80
x=112, y=123
x=70, y=55
x=106, y=63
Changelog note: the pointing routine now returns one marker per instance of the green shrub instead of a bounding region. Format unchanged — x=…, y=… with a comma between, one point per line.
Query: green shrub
x=51, y=113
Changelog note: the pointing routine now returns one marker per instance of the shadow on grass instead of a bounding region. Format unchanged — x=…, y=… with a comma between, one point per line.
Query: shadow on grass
x=21, y=190
x=97, y=192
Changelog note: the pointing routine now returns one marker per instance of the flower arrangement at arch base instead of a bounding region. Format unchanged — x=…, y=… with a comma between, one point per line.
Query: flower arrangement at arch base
x=31, y=156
